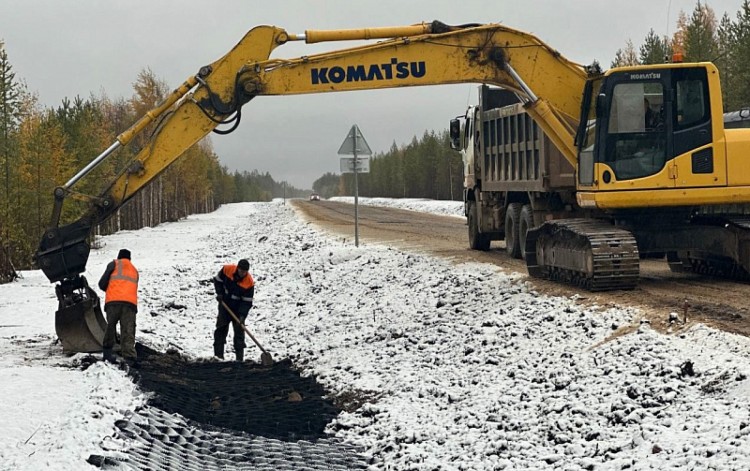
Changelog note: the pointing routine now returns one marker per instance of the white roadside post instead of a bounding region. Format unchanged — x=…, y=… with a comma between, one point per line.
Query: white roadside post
x=355, y=144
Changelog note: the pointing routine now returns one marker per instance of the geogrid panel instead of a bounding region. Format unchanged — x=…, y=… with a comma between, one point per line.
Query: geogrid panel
x=222, y=415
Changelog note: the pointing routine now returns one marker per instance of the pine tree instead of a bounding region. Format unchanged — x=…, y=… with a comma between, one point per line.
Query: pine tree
x=10, y=97
x=726, y=45
x=626, y=57
x=327, y=185
x=678, y=38
x=43, y=161
x=739, y=95
x=653, y=50
x=701, y=43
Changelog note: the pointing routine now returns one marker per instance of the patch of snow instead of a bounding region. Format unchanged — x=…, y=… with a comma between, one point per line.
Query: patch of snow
x=463, y=367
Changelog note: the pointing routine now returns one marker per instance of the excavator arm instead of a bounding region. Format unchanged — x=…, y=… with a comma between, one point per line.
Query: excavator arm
x=417, y=55
x=187, y=115
x=425, y=54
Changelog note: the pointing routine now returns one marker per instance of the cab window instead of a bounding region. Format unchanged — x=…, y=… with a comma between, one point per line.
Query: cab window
x=691, y=106
x=691, y=110
x=636, y=142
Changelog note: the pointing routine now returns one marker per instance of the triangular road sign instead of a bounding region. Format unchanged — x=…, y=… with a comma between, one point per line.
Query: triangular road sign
x=349, y=147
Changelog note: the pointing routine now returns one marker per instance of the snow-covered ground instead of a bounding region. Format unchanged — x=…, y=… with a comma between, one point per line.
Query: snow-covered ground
x=467, y=366
x=444, y=207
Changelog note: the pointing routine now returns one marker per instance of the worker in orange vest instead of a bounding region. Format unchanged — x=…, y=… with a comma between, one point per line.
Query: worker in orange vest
x=120, y=283
x=234, y=287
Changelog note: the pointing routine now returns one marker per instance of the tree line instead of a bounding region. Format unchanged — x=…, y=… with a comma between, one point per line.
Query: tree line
x=425, y=168
x=700, y=36
x=43, y=147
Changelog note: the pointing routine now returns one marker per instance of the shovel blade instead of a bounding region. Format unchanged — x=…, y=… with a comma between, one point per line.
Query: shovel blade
x=266, y=359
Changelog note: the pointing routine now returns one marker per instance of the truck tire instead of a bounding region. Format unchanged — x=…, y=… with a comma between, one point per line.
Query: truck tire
x=477, y=240
x=512, y=219
x=526, y=222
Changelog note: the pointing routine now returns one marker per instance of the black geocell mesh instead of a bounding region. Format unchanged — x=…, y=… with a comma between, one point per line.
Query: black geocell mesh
x=227, y=415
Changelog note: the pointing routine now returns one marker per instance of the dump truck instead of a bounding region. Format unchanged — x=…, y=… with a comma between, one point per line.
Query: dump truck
x=514, y=176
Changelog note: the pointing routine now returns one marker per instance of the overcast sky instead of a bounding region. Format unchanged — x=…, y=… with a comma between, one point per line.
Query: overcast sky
x=68, y=48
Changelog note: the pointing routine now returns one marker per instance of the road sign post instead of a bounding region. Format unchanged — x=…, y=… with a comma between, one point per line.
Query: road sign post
x=355, y=143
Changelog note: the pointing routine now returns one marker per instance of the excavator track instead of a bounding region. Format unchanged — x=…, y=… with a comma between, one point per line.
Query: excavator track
x=703, y=263
x=588, y=253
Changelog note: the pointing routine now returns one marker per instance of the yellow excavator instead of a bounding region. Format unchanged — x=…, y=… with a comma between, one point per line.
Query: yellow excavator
x=586, y=113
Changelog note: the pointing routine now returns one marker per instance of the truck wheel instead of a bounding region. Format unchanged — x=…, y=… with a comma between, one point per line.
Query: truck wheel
x=526, y=222
x=512, y=219
x=477, y=240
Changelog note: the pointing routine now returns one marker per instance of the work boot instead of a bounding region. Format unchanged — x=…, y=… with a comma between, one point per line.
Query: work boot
x=107, y=355
x=240, y=355
x=219, y=351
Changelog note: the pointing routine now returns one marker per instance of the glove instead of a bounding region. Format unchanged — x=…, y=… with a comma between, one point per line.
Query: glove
x=220, y=297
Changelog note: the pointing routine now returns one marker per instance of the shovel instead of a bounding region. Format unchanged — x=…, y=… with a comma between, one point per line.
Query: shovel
x=265, y=357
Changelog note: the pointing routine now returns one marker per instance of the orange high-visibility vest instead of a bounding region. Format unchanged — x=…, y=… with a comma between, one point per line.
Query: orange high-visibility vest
x=245, y=283
x=123, y=283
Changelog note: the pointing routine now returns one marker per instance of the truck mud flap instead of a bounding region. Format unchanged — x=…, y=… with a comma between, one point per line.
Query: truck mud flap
x=79, y=322
x=532, y=264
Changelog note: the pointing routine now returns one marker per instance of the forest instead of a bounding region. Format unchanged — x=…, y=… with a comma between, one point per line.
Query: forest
x=42, y=147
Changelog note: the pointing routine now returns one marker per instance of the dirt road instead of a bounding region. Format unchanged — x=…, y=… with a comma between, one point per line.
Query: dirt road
x=719, y=303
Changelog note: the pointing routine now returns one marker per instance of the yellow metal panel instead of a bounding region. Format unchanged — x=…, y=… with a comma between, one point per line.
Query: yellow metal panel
x=684, y=176
x=738, y=156
x=664, y=198
x=316, y=36
x=462, y=56
x=658, y=180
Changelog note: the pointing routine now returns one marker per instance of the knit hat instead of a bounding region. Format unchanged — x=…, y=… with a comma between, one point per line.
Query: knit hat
x=124, y=253
x=243, y=265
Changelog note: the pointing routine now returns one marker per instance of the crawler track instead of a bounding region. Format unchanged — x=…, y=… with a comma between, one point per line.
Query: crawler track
x=703, y=264
x=587, y=253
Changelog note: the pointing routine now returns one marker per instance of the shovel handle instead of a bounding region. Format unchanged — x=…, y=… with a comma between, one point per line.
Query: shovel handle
x=237, y=320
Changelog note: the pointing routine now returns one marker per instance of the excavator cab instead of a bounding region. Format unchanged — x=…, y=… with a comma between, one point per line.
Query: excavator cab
x=653, y=129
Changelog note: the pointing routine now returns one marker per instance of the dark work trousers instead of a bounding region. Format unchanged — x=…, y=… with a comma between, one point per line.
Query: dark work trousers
x=222, y=329
x=125, y=315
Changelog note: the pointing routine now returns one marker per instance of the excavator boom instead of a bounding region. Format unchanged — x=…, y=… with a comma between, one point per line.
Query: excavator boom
x=416, y=55
x=425, y=54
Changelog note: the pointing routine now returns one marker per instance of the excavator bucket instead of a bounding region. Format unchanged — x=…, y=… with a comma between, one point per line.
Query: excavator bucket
x=79, y=322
